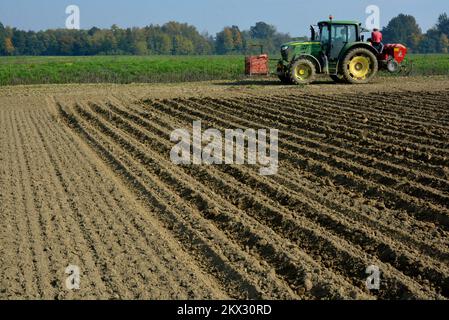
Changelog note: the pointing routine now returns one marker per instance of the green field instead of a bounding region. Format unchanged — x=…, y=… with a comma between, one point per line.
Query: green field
x=430, y=64
x=118, y=69
x=151, y=69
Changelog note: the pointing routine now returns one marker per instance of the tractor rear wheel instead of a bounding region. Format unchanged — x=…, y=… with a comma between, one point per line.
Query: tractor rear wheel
x=359, y=66
x=302, y=71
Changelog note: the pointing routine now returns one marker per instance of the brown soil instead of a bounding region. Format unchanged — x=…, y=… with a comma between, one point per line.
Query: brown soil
x=86, y=179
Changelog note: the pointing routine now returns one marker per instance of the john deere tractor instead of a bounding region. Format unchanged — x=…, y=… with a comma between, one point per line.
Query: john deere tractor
x=336, y=48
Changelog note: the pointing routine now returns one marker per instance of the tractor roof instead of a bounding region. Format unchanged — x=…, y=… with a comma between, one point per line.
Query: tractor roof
x=339, y=22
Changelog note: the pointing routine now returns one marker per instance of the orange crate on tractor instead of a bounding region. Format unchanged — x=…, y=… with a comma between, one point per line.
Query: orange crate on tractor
x=257, y=65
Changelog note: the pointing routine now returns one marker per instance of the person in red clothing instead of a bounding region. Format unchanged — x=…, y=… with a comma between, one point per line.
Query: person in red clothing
x=376, y=40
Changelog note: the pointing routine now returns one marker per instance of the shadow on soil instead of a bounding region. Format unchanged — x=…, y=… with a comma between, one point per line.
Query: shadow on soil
x=250, y=82
x=267, y=82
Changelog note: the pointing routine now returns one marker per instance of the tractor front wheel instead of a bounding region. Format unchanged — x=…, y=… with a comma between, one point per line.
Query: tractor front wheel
x=359, y=66
x=302, y=71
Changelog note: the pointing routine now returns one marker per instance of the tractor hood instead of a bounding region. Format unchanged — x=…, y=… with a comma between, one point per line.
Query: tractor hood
x=293, y=48
x=293, y=44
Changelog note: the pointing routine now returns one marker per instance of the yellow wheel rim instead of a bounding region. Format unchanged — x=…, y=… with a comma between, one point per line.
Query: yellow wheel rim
x=360, y=67
x=303, y=72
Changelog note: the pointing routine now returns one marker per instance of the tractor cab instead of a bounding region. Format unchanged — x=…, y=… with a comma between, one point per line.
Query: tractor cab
x=337, y=36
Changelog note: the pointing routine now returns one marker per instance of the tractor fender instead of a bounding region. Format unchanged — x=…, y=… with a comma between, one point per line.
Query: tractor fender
x=357, y=45
x=311, y=58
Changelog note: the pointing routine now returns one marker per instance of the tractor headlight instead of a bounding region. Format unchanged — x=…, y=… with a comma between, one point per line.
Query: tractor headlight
x=284, y=48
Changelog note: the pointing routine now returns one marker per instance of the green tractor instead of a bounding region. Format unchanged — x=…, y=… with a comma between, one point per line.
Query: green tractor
x=337, y=48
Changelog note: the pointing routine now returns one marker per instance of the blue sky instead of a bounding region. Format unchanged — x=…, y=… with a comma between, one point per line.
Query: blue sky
x=293, y=16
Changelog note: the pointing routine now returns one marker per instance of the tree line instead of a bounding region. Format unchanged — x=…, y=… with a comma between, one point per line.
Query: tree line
x=175, y=38
x=404, y=29
x=172, y=38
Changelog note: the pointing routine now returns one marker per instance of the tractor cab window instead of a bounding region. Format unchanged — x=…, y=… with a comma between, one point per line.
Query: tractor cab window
x=339, y=33
x=344, y=33
x=324, y=34
x=352, y=34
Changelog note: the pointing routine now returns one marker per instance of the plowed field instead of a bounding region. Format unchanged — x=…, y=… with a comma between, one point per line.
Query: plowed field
x=86, y=179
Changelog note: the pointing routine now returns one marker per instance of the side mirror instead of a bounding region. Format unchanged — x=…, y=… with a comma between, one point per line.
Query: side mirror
x=313, y=33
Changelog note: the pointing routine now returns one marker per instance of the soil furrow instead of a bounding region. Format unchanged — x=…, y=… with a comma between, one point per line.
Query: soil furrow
x=361, y=179
x=391, y=139
x=141, y=155
x=195, y=235
x=329, y=222
x=261, y=209
x=341, y=170
x=363, y=154
x=139, y=240
x=141, y=118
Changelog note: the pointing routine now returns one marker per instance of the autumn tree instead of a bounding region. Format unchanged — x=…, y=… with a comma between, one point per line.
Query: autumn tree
x=402, y=29
x=224, y=41
x=436, y=39
x=182, y=46
x=9, y=47
x=160, y=43
x=444, y=43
